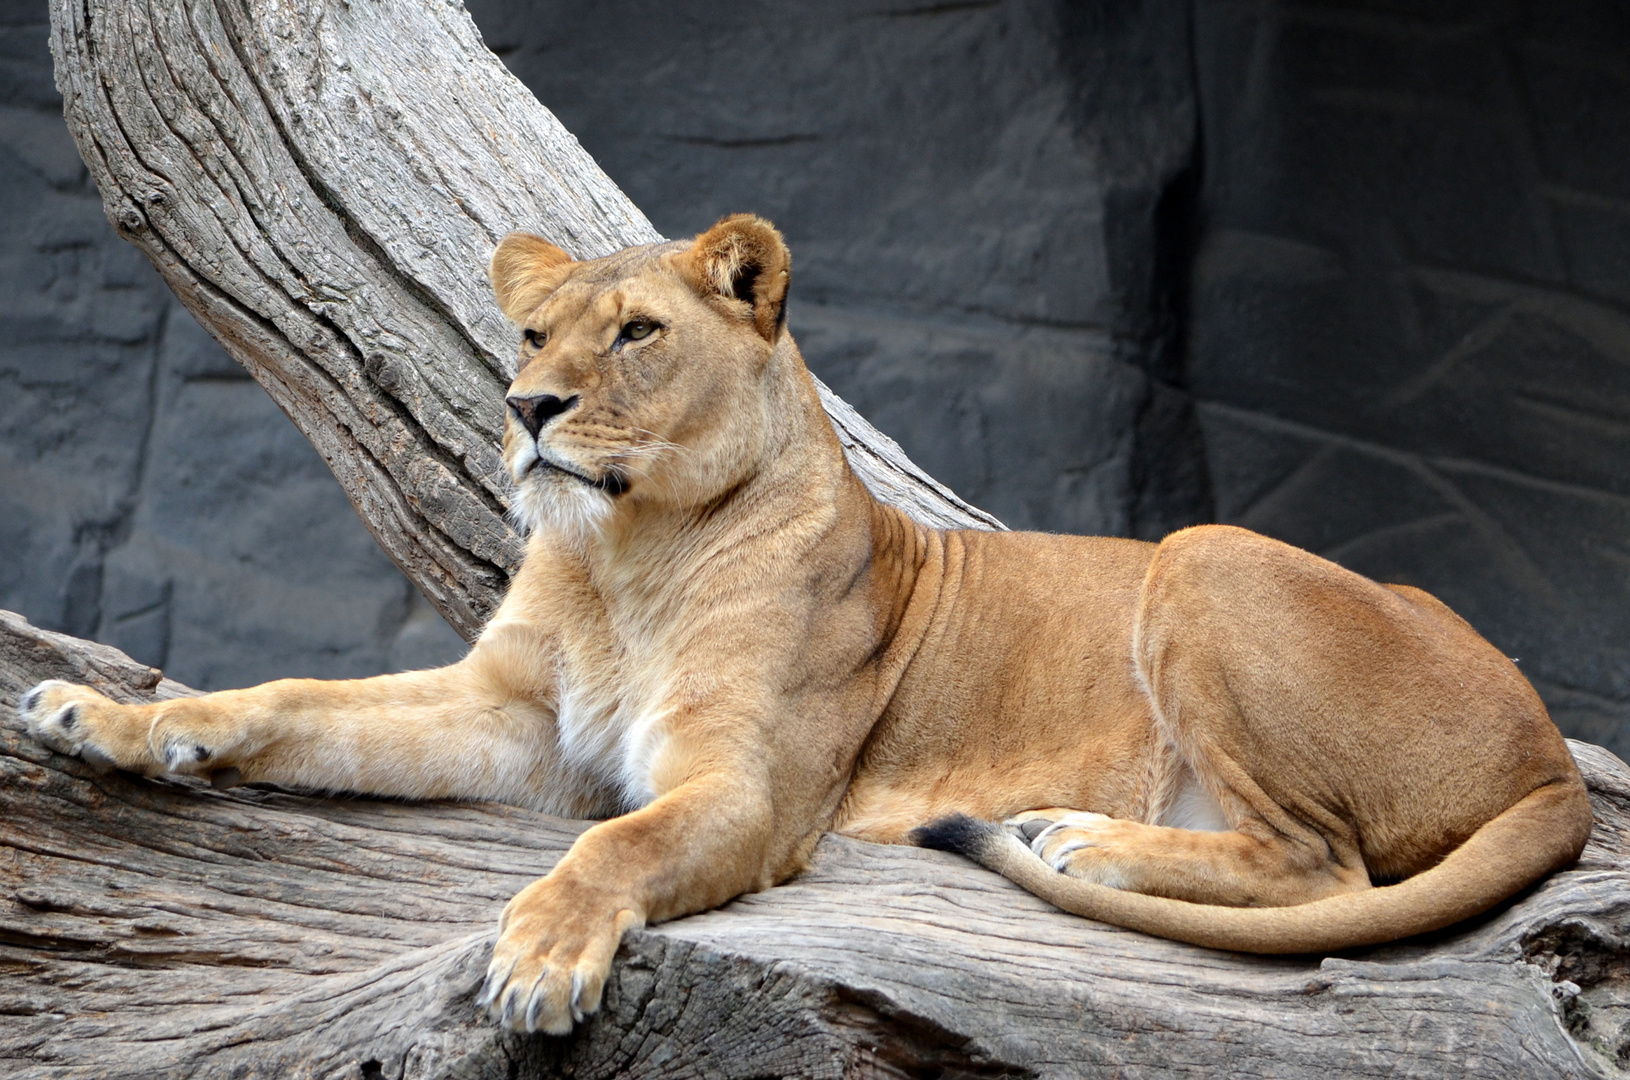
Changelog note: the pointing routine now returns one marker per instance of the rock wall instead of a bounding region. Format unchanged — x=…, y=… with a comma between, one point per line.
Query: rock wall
x=151, y=495
x=978, y=198
x=1411, y=311
x=1353, y=274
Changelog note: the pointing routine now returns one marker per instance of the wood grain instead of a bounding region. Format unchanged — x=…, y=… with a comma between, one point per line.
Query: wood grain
x=153, y=928
x=321, y=183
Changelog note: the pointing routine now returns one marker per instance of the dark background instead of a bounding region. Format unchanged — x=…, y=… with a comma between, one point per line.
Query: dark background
x=1353, y=274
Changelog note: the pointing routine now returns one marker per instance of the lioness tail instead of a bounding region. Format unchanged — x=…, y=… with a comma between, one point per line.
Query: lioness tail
x=1545, y=831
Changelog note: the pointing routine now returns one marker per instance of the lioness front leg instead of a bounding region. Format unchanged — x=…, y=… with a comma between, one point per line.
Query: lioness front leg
x=445, y=733
x=694, y=848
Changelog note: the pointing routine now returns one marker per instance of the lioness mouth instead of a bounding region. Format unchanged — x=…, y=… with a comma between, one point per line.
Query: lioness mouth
x=612, y=483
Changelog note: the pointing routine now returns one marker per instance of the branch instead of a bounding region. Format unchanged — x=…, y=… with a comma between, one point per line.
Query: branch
x=161, y=928
x=321, y=184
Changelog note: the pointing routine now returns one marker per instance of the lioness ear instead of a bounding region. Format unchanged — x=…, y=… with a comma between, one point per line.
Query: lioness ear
x=524, y=270
x=743, y=258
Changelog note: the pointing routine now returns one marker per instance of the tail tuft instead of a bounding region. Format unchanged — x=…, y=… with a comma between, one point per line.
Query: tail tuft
x=960, y=833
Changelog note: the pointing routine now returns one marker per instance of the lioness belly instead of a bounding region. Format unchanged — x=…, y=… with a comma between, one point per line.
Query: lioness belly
x=1022, y=693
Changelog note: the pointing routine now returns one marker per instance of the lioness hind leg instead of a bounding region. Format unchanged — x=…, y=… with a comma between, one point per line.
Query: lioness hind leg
x=1233, y=868
x=1343, y=726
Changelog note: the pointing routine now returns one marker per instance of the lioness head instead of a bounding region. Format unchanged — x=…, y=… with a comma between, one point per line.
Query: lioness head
x=640, y=373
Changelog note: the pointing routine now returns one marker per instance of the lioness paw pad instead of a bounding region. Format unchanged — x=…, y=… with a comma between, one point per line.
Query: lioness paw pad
x=53, y=714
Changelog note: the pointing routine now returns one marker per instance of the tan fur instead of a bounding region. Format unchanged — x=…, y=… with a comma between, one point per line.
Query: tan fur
x=722, y=644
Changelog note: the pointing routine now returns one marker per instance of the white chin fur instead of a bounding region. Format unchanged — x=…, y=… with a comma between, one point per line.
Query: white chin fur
x=560, y=504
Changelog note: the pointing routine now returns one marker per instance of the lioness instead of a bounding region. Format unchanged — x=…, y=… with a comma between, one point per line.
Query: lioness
x=721, y=643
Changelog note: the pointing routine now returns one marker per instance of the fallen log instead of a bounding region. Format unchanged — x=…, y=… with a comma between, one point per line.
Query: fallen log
x=156, y=928
x=319, y=181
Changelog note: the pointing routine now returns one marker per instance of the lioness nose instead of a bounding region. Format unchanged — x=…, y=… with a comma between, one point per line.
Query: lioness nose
x=534, y=412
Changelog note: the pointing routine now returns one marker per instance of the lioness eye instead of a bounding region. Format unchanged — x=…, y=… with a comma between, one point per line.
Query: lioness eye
x=639, y=328
x=535, y=338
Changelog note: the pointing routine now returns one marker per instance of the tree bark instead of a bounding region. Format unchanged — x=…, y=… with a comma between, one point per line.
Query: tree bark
x=320, y=182
x=153, y=928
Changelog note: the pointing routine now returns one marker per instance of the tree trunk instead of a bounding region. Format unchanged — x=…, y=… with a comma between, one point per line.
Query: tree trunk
x=155, y=928
x=320, y=182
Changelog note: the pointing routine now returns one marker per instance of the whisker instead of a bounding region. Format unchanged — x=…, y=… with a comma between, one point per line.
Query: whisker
x=654, y=441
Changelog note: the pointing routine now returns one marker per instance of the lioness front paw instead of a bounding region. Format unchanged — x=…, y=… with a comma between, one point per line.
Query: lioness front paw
x=554, y=951
x=79, y=722
x=146, y=739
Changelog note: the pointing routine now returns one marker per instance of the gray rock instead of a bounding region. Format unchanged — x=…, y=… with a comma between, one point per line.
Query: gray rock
x=151, y=495
x=1387, y=252
x=1410, y=328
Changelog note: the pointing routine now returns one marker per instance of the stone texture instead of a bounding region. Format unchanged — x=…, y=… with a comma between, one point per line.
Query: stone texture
x=151, y=495
x=1410, y=326
x=980, y=198
x=1385, y=245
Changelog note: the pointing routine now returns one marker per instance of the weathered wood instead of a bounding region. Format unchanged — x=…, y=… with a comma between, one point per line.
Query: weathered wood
x=320, y=182
x=151, y=928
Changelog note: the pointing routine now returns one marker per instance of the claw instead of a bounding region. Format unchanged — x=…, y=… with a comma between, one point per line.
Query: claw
x=506, y=1014
x=1039, y=841
x=577, y=997
x=534, y=1002
x=495, y=982
x=1061, y=857
x=1034, y=828
x=1071, y=846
